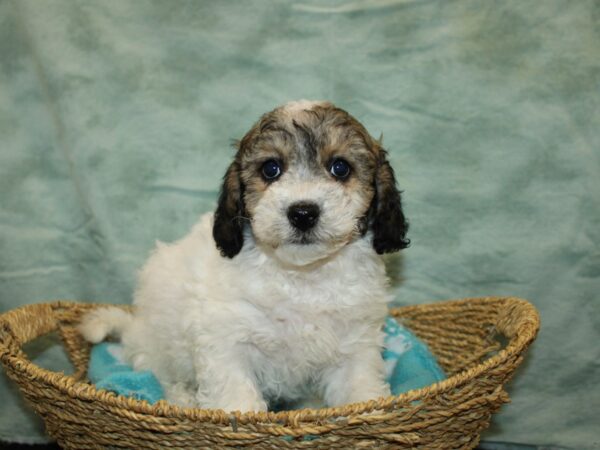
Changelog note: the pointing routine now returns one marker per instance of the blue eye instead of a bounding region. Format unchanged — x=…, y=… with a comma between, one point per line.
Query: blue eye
x=271, y=169
x=340, y=169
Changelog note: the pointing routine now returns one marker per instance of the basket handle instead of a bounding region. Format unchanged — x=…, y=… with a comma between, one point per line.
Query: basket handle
x=8, y=341
x=24, y=324
x=519, y=318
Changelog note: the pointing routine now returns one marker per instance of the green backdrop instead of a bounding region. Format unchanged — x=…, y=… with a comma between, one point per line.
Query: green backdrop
x=116, y=119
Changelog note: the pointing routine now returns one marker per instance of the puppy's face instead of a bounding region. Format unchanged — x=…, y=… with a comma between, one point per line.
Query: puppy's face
x=310, y=179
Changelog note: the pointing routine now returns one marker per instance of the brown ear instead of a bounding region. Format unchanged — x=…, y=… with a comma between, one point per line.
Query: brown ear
x=388, y=222
x=228, y=228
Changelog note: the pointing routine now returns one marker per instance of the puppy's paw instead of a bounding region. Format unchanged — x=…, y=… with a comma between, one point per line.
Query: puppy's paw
x=232, y=402
x=343, y=391
x=247, y=405
x=179, y=394
x=373, y=392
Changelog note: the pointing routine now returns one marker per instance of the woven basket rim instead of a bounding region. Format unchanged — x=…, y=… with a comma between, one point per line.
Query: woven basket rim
x=526, y=330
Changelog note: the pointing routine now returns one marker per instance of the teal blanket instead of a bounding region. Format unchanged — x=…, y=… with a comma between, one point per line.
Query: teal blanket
x=116, y=119
x=408, y=365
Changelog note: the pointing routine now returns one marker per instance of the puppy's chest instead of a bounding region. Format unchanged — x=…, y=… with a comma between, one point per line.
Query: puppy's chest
x=303, y=325
x=289, y=334
x=306, y=319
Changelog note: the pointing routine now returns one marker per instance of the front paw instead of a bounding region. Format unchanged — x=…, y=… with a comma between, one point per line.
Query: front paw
x=246, y=405
x=354, y=383
x=373, y=392
x=233, y=401
x=179, y=394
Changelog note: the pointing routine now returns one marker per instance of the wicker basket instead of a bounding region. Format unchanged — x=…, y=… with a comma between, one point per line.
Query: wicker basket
x=465, y=335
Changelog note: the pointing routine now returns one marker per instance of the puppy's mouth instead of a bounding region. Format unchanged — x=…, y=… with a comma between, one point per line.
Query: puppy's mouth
x=313, y=237
x=303, y=239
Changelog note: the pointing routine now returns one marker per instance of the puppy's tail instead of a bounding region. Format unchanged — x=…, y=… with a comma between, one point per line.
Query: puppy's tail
x=102, y=322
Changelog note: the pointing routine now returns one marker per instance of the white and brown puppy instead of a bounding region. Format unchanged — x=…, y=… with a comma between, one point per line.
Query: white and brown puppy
x=280, y=295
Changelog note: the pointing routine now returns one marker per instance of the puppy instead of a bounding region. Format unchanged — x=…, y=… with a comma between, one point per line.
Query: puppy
x=281, y=294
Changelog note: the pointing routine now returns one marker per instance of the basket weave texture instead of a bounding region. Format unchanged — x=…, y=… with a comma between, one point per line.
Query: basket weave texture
x=465, y=335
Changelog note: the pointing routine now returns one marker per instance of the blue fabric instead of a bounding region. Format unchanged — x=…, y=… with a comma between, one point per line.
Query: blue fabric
x=107, y=370
x=409, y=365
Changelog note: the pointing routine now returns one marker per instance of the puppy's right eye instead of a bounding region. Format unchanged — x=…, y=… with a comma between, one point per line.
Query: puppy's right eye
x=271, y=170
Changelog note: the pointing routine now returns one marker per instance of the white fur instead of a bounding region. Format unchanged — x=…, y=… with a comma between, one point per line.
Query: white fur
x=230, y=333
x=337, y=224
x=103, y=322
x=279, y=321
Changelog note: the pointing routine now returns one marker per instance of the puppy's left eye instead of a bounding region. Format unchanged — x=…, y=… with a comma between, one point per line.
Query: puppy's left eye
x=271, y=169
x=340, y=169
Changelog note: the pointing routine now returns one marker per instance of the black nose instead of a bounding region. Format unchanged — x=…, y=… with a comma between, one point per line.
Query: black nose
x=303, y=215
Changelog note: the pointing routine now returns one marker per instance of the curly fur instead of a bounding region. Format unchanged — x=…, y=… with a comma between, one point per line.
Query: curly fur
x=243, y=312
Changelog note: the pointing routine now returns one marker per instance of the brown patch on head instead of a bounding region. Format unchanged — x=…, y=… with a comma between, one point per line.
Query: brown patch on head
x=306, y=138
x=339, y=135
x=330, y=133
x=313, y=135
x=269, y=139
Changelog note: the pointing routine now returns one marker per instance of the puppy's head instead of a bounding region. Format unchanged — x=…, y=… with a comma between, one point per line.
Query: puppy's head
x=309, y=179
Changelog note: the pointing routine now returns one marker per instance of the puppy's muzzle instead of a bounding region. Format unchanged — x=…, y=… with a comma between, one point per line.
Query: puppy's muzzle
x=303, y=215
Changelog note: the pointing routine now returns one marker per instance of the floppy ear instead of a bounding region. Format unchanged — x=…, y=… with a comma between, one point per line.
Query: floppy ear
x=228, y=223
x=388, y=222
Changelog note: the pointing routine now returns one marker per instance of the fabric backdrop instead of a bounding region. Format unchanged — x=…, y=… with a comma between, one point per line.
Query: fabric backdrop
x=116, y=119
